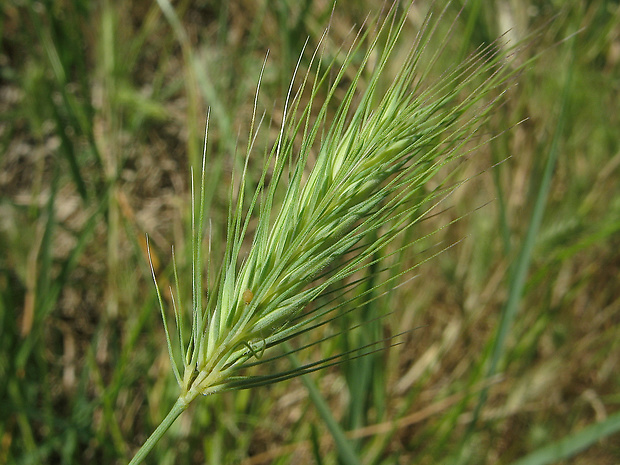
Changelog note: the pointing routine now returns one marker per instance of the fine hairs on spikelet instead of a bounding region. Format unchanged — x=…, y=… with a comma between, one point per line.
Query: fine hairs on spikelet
x=352, y=185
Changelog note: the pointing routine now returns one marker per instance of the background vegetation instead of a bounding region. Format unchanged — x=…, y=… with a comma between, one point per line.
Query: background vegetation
x=102, y=108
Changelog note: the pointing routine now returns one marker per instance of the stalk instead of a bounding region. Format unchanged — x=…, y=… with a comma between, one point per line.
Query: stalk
x=177, y=409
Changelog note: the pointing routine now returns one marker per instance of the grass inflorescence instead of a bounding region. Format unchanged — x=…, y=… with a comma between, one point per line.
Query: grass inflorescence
x=341, y=189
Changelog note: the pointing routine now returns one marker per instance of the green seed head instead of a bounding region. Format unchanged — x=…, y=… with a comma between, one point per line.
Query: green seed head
x=320, y=222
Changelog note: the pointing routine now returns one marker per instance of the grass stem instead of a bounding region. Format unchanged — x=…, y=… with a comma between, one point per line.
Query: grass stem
x=177, y=409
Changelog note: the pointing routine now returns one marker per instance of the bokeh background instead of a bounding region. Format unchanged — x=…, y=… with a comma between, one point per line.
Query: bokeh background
x=102, y=113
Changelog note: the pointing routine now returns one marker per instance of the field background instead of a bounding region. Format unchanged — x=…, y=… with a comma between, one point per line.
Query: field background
x=102, y=113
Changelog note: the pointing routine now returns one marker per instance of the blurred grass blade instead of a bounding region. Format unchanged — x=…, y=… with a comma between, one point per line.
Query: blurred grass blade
x=345, y=449
x=49, y=287
x=315, y=441
x=572, y=444
x=522, y=265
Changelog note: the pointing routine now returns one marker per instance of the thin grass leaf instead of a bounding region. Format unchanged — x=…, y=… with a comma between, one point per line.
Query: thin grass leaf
x=522, y=264
x=572, y=444
x=346, y=451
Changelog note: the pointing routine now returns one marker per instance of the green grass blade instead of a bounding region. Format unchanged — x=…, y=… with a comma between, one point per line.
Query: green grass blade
x=572, y=444
x=345, y=449
x=522, y=265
